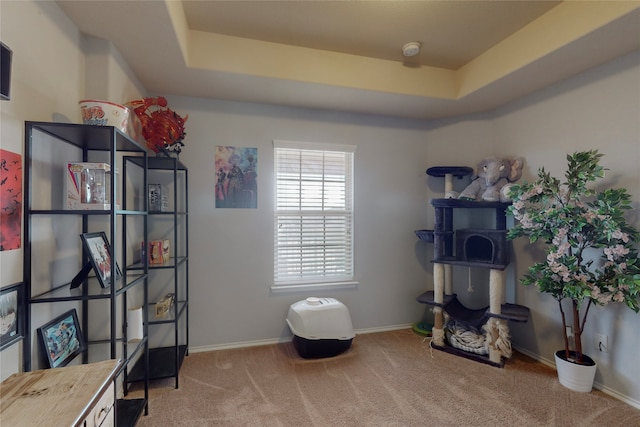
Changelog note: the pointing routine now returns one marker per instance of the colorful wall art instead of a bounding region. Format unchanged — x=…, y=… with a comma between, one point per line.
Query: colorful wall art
x=10, y=200
x=11, y=317
x=236, y=177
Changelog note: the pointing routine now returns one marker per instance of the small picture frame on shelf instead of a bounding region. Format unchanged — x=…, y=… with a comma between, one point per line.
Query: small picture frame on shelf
x=99, y=252
x=61, y=339
x=87, y=186
x=155, y=198
x=158, y=198
x=159, y=251
x=163, y=306
x=11, y=306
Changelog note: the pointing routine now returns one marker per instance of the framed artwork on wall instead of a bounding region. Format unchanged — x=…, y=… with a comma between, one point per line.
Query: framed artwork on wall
x=62, y=339
x=11, y=314
x=10, y=200
x=236, y=177
x=99, y=251
x=6, y=55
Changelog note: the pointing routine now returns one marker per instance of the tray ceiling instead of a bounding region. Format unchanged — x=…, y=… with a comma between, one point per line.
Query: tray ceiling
x=347, y=55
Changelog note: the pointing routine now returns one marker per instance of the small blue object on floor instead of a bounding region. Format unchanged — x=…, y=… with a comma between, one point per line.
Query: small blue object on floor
x=321, y=327
x=422, y=328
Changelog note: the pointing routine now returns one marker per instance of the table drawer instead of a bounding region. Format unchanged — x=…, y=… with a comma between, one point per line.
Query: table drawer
x=102, y=414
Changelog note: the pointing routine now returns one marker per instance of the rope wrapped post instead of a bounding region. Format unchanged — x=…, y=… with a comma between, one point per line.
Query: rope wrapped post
x=438, y=297
x=498, y=339
x=448, y=279
x=497, y=330
x=437, y=334
x=448, y=172
x=496, y=290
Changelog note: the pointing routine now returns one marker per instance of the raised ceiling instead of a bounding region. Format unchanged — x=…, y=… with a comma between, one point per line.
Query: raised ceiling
x=452, y=33
x=346, y=55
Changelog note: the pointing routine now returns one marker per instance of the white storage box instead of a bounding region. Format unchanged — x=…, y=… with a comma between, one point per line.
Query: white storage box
x=321, y=327
x=87, y=186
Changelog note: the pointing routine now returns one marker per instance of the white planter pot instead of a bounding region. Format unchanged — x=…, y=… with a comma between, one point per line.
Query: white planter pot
x=574, y=376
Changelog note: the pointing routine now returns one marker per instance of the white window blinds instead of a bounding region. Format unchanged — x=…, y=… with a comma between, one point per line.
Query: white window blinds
x=313, y=213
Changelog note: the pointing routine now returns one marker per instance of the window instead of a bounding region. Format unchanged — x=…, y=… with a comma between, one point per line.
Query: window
x=313, y=214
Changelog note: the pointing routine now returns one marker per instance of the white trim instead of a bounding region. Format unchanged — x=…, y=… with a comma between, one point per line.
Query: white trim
x=311, y=252
x=384, y=329
x=246, y=344
x=276, y=289
x=234, y=345
x=315, y=146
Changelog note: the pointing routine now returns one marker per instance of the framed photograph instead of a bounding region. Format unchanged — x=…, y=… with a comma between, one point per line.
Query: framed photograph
x=11, y=314
x=62, y=339
x=99, y=250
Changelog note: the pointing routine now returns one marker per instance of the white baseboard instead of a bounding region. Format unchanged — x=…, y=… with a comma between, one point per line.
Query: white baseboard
x=613, y=393
x=244, y=344
x=383, y=329
x=233, y=345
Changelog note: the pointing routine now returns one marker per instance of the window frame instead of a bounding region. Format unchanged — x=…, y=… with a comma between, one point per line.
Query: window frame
x=316, y=282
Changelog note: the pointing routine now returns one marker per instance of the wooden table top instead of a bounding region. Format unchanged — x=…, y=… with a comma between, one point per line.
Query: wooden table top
x=54, y=397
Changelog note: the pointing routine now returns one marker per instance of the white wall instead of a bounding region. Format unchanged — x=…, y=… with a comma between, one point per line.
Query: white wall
x=48, y=79
x=108, y=76
x=47, y=82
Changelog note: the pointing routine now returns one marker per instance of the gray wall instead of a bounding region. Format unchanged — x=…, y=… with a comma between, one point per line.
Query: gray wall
x=599, y=109
x=231, y=249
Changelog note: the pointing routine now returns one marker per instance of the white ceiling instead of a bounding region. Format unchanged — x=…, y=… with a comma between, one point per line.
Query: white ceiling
x=346, y=55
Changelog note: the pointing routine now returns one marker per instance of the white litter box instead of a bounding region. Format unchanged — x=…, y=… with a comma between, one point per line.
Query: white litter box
x=321, y=327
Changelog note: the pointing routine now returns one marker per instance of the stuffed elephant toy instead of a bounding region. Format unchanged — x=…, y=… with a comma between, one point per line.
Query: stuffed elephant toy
x=492, y=179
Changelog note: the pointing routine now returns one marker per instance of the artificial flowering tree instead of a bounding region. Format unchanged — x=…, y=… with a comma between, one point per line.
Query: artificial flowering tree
x=591, y=255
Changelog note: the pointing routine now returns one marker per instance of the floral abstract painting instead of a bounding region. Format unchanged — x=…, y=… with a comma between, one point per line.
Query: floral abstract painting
x=236, y=177
x=10, y=200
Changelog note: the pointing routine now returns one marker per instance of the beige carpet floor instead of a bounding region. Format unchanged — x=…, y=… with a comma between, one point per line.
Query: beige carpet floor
x=385, y=379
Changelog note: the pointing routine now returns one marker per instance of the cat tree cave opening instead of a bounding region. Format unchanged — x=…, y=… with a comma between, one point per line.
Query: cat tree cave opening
x=483, y=246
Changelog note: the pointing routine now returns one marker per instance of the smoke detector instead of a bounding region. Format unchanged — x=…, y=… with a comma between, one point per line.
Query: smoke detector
x=411, y=49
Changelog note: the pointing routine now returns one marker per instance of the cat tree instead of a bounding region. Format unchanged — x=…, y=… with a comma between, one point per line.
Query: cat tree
x=478, y=248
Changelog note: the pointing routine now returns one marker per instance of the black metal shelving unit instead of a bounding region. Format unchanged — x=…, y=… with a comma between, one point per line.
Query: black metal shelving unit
x=53, y=251
x=165, y=358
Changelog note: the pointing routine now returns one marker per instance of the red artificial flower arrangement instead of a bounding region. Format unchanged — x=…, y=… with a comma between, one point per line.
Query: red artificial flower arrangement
x=162, y=128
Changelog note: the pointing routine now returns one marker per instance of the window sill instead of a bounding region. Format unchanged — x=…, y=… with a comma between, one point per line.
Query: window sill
x=279, y=289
